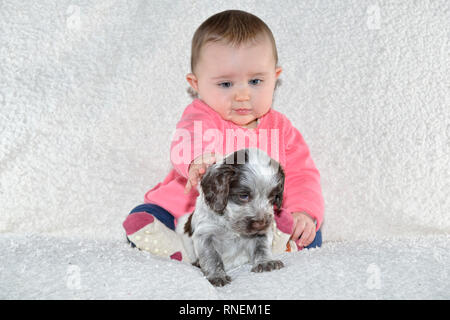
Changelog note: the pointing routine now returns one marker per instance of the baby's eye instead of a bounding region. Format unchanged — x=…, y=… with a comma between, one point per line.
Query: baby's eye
x=225, y=84
x=255, y=81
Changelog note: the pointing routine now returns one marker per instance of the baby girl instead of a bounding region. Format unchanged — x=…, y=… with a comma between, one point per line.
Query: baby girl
x=234, y=73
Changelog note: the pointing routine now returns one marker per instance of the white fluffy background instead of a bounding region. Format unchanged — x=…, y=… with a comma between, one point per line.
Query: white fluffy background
x=90, y=93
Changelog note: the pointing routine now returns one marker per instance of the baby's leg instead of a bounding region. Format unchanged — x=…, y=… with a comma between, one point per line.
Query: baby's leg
x=151, y=228
x=317, y=242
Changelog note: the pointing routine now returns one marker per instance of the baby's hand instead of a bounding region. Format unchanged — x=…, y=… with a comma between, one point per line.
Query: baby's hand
x=305, y=227
x=197, y=169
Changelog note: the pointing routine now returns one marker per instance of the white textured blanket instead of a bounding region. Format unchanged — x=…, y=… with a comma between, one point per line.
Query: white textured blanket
x=43, y=267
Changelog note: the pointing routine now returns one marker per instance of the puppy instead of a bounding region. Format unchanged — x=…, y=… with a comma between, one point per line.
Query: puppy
x=233, y=221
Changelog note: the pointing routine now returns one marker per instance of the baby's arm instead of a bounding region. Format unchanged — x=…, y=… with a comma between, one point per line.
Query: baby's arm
x=197, y=169
x=303, y=193
x=187, y=142
x=304, y=229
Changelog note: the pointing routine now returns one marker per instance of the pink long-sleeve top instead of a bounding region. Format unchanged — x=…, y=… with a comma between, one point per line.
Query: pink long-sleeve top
x=202, y=130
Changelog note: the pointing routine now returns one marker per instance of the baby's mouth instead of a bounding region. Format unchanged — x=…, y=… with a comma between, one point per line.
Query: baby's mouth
x=243, y=111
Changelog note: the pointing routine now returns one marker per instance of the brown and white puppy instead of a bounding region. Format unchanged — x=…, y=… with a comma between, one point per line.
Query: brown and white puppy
x=233, y=221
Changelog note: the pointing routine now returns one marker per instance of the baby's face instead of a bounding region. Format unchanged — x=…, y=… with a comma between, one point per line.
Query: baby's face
x=238, y=83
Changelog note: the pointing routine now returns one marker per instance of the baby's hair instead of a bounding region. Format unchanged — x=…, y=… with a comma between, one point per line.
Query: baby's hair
x=233, y=27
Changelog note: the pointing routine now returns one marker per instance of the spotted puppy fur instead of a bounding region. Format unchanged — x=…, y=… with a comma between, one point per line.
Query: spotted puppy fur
x=233, y=222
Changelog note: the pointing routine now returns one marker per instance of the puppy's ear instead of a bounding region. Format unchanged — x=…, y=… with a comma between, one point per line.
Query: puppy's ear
x=280, y=189
x=215, y=185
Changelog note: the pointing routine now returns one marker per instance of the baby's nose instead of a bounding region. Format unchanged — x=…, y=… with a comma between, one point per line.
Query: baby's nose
x=242, y=94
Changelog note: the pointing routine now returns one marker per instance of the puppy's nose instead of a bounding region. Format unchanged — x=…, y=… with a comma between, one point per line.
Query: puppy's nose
x=260, y=224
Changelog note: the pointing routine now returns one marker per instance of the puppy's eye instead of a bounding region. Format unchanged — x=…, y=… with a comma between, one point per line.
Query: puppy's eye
x=244, y=197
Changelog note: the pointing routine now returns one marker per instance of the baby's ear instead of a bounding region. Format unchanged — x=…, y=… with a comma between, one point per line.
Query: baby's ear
x=193, y=81
x=277, y=77
x=278, y=71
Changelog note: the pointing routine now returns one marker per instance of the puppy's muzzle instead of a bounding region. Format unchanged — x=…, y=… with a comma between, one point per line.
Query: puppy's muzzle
x=260, y=225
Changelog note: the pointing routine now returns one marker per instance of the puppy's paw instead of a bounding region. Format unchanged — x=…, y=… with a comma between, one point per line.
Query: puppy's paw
x=268, y=266
x=219, y=281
